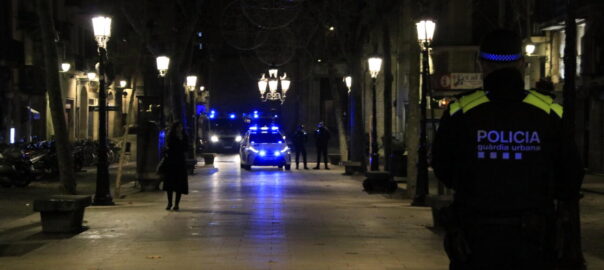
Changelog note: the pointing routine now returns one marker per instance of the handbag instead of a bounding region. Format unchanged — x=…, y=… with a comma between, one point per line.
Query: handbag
x=162, y=166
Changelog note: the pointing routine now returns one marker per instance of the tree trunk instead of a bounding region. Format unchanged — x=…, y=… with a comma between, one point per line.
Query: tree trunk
x=55, y=98
x=388, y=78
x=337, y=100
x=413, y=112
x=572, y=254
x=358, y=139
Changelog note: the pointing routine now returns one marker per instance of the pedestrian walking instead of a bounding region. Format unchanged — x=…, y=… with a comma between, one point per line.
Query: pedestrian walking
x=322, y=136
x=174, y=167
x=505, y=153
x=300, y=138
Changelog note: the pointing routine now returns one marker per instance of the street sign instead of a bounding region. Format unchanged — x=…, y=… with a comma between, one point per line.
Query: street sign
x=458, y=81
x=466, y=80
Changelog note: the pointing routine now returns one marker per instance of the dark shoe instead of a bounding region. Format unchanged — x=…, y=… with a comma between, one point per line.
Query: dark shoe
x=175, y=208
x=327, y=168
x=316, y=168
x=306, y=168
x=169, y=206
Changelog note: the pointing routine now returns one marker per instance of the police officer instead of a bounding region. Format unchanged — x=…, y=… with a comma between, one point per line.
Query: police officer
x=505, y=153
x=322, y=136
x=299, y=139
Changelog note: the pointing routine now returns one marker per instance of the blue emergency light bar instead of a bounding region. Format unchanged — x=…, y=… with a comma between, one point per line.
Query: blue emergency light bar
x=232, y=116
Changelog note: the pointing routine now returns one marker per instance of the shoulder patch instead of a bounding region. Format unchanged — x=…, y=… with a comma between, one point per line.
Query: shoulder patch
x=543, y=102
x=468, y=101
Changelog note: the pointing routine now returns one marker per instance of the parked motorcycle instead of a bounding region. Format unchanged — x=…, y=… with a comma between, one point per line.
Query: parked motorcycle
x=15, y=168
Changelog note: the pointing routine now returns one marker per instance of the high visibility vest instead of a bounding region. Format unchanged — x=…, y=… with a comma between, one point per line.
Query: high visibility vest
x=534, y=98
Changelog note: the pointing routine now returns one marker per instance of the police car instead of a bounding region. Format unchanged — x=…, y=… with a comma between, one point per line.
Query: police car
x=264, y=146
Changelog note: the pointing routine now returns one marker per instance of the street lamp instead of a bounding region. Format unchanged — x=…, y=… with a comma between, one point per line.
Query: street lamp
x=191, y=83
x=348, y=82
x=65, y=67
x=273, y=82
x=529, y=49
x=123, y=83
x=375, y=64
x=425, y=33
x=163, y=64
x=91, y=76
x=102, y=33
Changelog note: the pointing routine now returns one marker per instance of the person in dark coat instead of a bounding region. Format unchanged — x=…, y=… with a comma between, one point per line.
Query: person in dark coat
x=322, y=136
x=175, y=172
x=300, y=138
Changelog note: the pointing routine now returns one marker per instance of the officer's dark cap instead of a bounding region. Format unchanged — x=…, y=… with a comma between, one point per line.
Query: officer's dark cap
x=501, y=46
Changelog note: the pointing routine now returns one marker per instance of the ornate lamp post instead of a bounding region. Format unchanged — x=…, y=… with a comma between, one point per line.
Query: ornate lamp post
x=163, y=63
x=425, y=33
x=273, y=82
x=191, y=86
x=375, y=64
x=102, y=32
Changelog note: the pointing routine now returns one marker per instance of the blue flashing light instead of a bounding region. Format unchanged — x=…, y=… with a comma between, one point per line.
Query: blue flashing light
x=212, y=116
x=255, y=112
x=264, y=128
x=276, y=116
x=254, y=128
x=277, y=153
x=232, y=116
x=256, y=116
x=274, y=128
x=280, y=141
x=500, y=57
x=262, y=153
x=161, y=140
x=200, y=109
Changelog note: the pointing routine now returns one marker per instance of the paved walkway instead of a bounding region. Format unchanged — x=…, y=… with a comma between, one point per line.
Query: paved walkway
x=262, y=219
x=233, y=219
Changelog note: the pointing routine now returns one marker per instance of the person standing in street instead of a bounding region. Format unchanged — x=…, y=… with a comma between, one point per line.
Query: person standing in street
x=505, y=153
x=175, y=168
x=300, y=138
x=322, y=136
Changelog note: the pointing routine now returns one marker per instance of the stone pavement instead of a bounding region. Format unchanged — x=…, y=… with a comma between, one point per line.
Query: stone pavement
x=262, y=219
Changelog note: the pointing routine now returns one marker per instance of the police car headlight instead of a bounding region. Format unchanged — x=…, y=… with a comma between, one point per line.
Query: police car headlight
x=214, y=139
x=238, y=138
x=277, y=153
x=262, y=153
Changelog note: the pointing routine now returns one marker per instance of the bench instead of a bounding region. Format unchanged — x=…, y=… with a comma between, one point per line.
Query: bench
x=208, y=158
x=62, y=213
x=350, y=167
x=379, y=181
x=191, y=163
x=438, y=203
x=334, y=159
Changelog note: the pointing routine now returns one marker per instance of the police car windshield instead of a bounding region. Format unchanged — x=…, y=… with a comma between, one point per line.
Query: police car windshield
x=266, y=138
